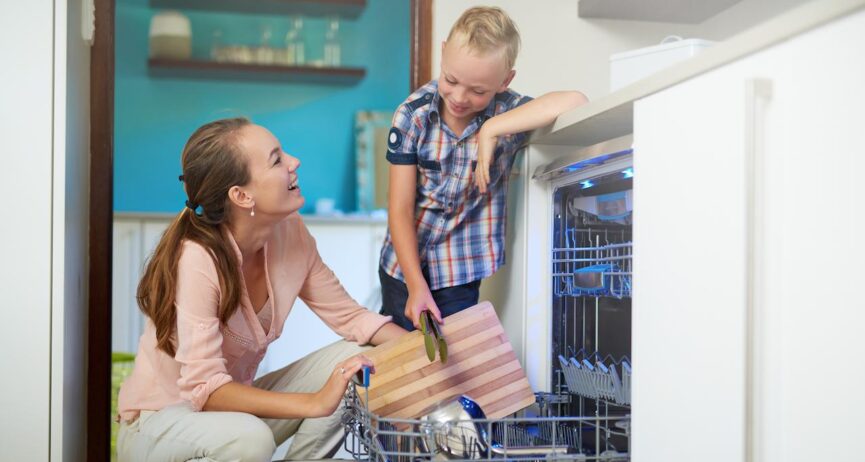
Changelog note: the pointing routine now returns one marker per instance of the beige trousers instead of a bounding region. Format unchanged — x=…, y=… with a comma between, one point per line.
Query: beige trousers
x=177, y=433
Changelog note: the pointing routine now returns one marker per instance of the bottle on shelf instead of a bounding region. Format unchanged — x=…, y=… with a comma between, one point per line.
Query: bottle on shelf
x=331, y=43
x=294, y=43
x=264, y=54
x=217, y=51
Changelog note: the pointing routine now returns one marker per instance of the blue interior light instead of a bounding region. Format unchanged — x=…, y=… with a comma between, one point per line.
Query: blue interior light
x=628, y=172
x=586, y=184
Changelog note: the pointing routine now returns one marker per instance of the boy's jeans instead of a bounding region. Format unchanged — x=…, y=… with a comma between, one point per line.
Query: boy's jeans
x=394, y=295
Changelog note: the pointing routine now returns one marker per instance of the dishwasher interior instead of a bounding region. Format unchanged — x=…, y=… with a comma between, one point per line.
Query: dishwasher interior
x=591, y=307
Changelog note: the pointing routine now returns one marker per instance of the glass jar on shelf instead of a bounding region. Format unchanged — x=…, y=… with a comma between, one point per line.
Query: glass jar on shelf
x=264, y=54
x=332, y=50
x=217, y=50
x=294, y=43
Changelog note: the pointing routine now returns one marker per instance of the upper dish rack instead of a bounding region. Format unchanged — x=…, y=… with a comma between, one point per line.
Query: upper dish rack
x=599, y=270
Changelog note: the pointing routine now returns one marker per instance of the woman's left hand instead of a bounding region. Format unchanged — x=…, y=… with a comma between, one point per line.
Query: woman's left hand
x=328, y=398
x=486, y=148
x=352, y=365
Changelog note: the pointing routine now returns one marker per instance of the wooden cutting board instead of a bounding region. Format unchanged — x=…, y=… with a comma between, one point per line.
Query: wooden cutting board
x=481, y=365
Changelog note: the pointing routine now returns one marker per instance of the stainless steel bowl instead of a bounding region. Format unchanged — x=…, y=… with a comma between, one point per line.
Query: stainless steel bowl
x=450, y=433
x=454, y=429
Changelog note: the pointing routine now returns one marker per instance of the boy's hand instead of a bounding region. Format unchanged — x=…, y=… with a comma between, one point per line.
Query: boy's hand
x=486, y=147
x=418, y=302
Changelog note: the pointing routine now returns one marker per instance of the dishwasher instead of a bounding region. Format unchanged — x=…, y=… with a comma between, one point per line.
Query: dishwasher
x=586, y=413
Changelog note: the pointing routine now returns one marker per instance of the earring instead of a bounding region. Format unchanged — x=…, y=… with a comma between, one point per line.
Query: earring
x=252, y=212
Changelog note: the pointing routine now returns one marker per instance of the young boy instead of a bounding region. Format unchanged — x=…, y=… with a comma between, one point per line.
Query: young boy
x=451, y=149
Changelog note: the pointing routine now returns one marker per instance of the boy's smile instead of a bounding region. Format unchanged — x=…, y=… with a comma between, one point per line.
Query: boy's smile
x=469, y=80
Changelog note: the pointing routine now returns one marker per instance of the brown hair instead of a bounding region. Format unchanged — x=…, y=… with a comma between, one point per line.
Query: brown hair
x=487, y=29
x=212, y=163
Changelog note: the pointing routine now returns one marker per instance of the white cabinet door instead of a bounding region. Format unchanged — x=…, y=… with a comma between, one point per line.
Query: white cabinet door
x=810, y=344
x=707, y=251
x=126, y=272
x=689, y=263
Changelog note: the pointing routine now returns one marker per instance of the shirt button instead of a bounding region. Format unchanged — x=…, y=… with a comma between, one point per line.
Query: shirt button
x=201, y=325
x=460, y=144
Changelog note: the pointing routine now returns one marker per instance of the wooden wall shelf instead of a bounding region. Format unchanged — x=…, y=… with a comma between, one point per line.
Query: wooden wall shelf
x=201, y=69
x=342, y=8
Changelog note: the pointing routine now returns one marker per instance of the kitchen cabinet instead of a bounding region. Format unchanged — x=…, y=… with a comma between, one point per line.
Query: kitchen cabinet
x=691, y=261
x=747, y=198
x=747, y=213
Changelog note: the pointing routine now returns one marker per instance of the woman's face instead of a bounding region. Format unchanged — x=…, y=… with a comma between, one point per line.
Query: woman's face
x=273, y=186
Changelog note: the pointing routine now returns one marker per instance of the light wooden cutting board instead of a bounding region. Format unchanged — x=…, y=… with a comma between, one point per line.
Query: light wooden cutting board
x=481, y=365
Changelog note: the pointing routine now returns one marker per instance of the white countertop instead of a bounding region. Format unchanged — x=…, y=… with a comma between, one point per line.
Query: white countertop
x=612, y=116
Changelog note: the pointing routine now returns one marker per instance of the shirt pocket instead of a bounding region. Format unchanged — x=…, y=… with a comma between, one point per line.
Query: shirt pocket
x=429, y=174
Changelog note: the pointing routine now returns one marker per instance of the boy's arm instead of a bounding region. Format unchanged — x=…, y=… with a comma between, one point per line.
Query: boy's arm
x=534, y=114
x=400, y=220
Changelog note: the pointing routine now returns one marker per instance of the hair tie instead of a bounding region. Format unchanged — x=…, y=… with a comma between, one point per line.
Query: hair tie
x=192, y=206
x=180, y=178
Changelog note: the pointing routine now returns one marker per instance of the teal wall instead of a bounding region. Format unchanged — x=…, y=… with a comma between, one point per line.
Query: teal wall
x=155, y=116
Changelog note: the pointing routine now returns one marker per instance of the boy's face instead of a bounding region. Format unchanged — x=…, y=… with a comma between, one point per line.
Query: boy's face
x=469, y=80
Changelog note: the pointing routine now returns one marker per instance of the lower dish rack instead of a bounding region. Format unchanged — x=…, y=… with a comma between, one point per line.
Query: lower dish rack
x=590, y=376
x=372, y=438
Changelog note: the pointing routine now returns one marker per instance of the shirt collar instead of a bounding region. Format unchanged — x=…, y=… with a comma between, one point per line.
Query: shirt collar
x=232, y=243
x=434, y=104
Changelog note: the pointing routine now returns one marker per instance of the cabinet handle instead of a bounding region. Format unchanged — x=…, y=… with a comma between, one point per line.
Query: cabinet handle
x=758, y=92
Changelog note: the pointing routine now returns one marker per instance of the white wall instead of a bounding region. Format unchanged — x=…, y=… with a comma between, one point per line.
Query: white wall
x=563, y=51
x=70, y=234
x=43, y=124
x=27, y=41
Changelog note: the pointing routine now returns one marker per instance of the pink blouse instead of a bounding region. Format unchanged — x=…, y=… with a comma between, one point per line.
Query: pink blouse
x=210, y=354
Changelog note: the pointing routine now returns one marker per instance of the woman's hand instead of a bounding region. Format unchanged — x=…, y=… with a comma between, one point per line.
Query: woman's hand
x=486, y=148
x=333, y=390
x=421, y=300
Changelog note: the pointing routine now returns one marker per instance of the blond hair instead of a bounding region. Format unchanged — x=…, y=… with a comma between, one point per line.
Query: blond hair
x=488, y=29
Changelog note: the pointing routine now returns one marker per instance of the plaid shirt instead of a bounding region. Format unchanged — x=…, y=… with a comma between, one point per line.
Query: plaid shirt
x=460, y=232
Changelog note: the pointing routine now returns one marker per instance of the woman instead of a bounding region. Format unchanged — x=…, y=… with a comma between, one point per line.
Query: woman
x=217, y=291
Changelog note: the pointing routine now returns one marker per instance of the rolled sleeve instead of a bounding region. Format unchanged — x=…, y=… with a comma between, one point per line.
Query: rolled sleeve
x=199, y=339
x=327, y=298
x=402, y=138
x=199, y=395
